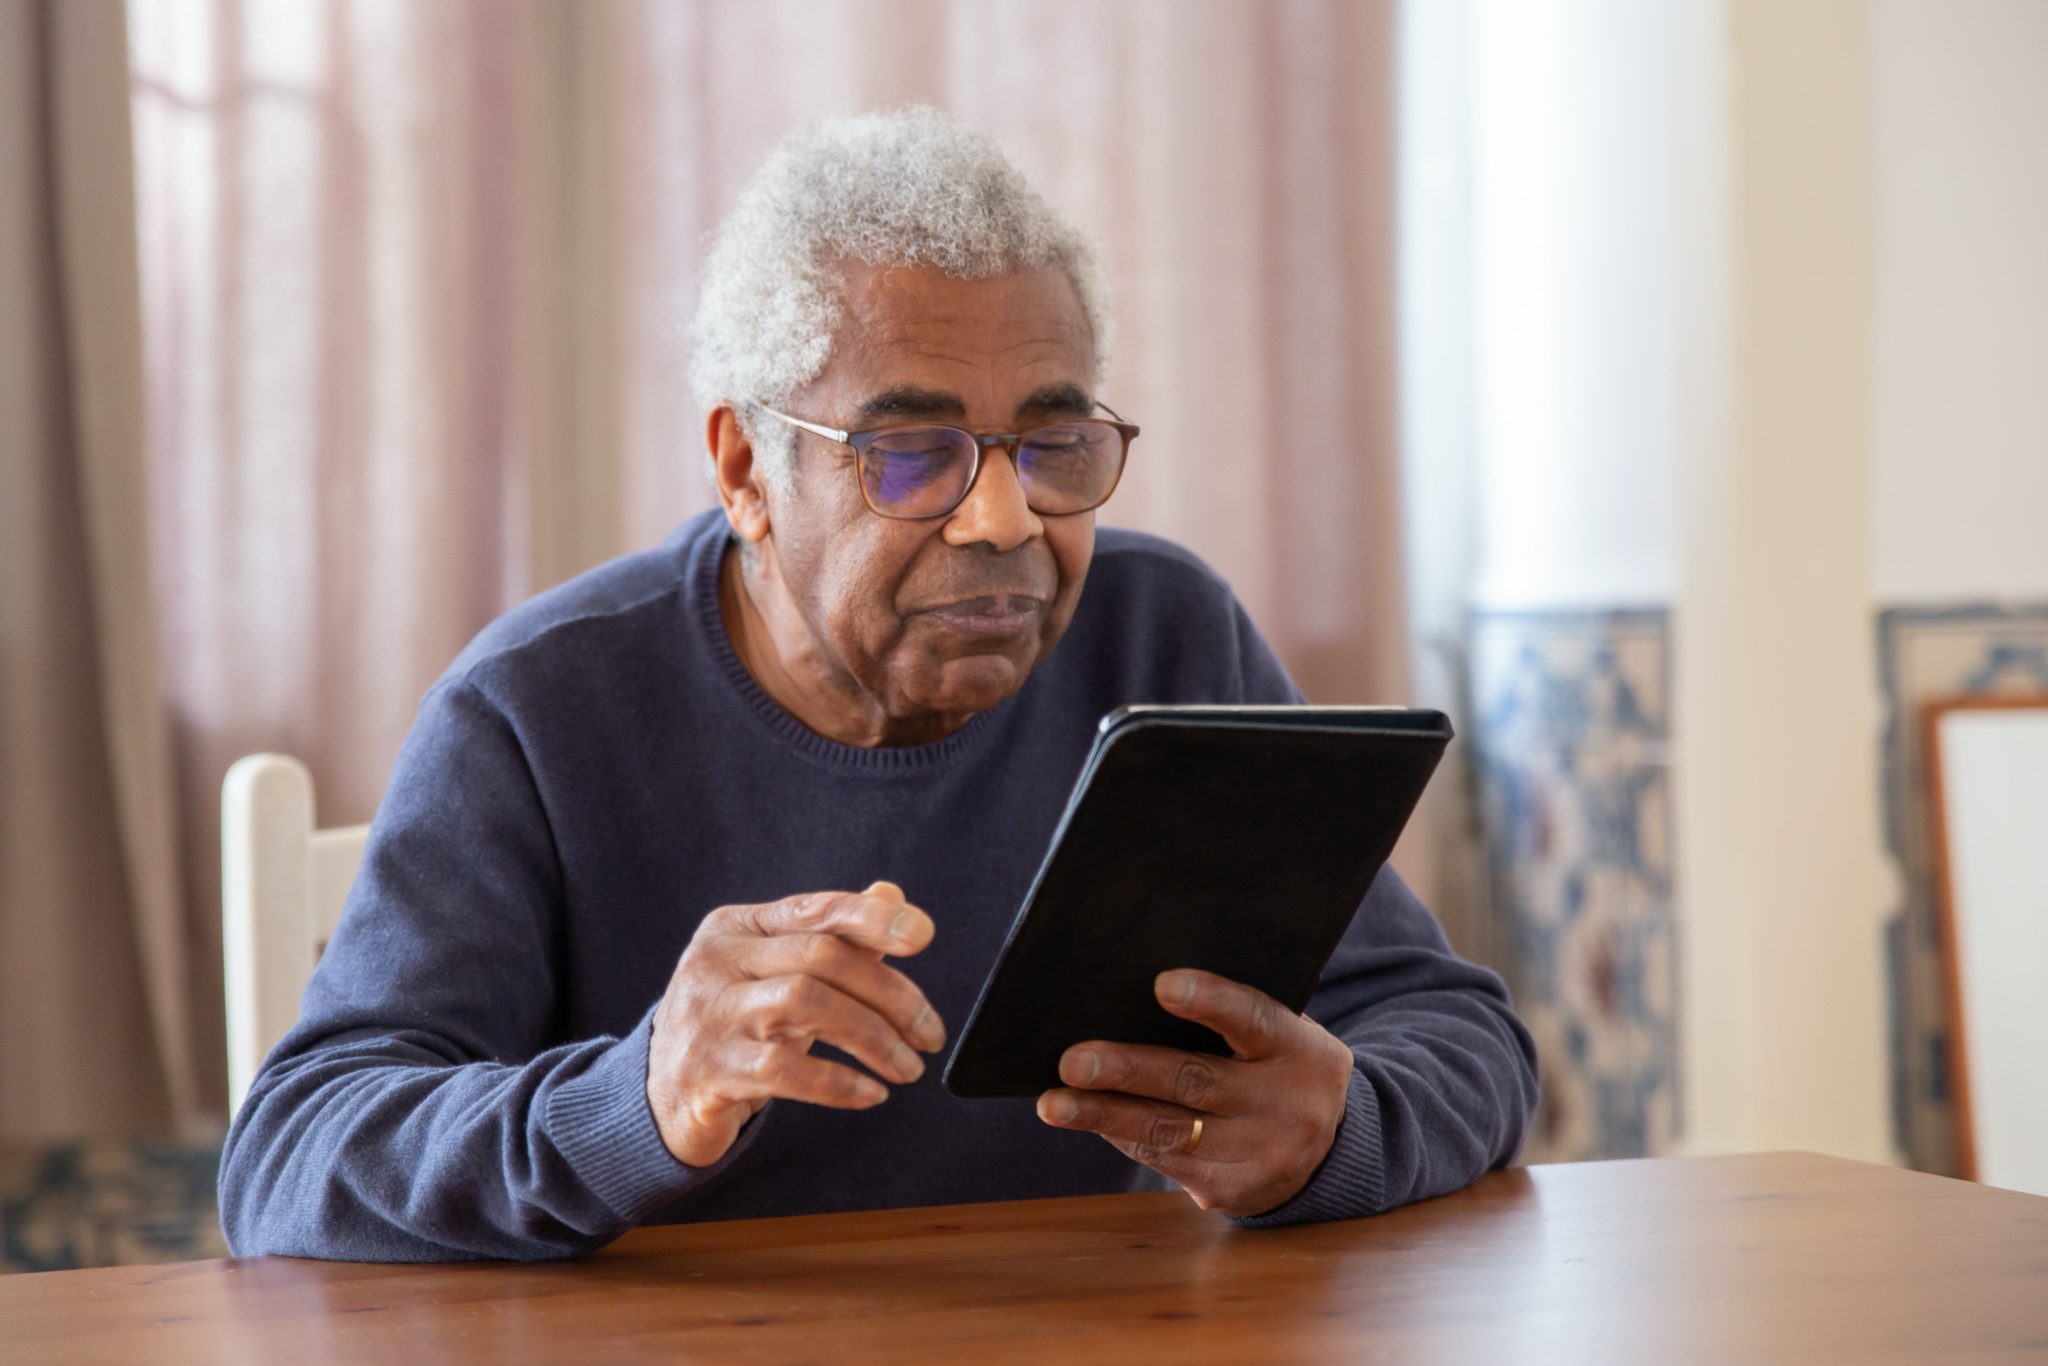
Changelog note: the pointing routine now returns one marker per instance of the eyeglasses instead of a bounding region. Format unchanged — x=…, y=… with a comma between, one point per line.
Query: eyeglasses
x=911, y=473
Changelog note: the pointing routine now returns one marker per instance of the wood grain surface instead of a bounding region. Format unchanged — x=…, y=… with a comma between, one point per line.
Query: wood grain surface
x=1777, y=1257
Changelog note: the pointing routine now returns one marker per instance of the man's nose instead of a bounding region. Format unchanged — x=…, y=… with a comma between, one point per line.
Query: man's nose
x=994, y=509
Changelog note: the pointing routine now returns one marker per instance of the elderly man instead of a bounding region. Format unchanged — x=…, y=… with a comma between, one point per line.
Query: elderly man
x=608, y=905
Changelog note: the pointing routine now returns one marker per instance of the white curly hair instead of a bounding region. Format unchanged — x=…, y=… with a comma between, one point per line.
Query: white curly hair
x=911, y=187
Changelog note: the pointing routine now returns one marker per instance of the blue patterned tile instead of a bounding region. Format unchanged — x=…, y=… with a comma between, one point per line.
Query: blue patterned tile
x=1571, y=731
x=75, y=1205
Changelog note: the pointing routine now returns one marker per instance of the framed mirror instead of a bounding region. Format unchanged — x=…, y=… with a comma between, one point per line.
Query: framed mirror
x=1988, y=801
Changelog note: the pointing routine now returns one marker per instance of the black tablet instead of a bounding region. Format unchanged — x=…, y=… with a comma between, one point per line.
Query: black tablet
x=1240, y=840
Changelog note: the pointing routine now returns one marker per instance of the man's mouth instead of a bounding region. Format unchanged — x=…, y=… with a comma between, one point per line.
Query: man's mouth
x=998, y=614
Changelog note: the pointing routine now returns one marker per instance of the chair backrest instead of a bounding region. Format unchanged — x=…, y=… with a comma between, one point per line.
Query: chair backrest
x=282, y=888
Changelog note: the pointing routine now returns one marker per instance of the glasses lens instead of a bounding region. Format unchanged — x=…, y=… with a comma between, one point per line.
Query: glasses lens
x=917, y=471
x=1070, y=466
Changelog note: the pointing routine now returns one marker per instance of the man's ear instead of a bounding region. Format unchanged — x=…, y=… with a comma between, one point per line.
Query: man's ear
x=739, y=484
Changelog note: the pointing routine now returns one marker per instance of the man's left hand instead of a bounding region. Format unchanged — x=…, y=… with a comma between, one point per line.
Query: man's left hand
x=1268, y=1115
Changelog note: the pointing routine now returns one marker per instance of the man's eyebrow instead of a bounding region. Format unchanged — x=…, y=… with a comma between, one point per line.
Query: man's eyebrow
x=907, y=400
x=1059, y=398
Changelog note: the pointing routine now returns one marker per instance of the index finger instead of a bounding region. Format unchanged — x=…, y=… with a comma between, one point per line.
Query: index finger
x=1193, y=1081
x=1251, y=1022
x=873, y=919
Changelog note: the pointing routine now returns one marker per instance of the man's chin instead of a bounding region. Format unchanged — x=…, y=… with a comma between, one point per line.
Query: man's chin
x=971, y=683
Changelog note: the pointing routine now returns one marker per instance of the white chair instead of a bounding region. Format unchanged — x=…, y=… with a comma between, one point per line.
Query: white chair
x=282, y=888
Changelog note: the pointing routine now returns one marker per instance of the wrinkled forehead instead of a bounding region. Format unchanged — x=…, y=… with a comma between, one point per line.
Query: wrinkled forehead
x=917, y=328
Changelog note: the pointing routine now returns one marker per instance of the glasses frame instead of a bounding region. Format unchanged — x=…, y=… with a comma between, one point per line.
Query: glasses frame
x=1009, y=441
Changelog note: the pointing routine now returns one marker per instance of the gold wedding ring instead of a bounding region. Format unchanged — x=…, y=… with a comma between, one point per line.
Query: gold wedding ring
x=1187, y=1149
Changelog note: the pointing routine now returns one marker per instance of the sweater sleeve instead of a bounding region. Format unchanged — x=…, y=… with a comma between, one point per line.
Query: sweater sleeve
x=417, y=1112
x=1444, y=1082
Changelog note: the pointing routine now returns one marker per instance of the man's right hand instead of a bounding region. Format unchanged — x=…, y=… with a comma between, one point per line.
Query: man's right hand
x=758, y=985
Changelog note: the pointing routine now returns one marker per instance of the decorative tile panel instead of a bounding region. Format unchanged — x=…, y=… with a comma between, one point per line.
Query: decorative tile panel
x=1925, y=653
x=75, y=1205
x=1571, y=728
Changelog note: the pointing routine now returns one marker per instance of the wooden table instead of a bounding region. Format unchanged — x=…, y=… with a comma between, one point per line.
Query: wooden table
x=1781, y=1257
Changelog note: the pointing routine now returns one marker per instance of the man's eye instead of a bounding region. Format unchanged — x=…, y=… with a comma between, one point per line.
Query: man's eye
x=912, y=464
x=915, y=445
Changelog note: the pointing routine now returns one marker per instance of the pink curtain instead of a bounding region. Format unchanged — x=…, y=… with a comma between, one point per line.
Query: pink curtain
x=415, y=276
x=95, y=1002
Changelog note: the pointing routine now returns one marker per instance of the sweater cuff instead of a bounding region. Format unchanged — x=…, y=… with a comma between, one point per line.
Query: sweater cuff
x=601, y=1123
x=1352, y=1180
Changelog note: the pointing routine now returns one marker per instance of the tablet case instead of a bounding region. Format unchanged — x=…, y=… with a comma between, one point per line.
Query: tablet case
x=1240, y=840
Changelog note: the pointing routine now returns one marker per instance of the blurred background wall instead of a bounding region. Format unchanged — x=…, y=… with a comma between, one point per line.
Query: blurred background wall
x=1731, y=454
x=1653, y=383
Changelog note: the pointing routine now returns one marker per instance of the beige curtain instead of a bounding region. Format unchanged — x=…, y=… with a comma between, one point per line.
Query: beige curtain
x=95, y=1001
x=414, y=276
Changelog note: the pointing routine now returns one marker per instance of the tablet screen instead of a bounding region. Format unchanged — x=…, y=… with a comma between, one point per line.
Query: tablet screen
x=1213, y=838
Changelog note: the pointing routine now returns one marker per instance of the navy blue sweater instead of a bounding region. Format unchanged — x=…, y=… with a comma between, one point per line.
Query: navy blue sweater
x=595, y=773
